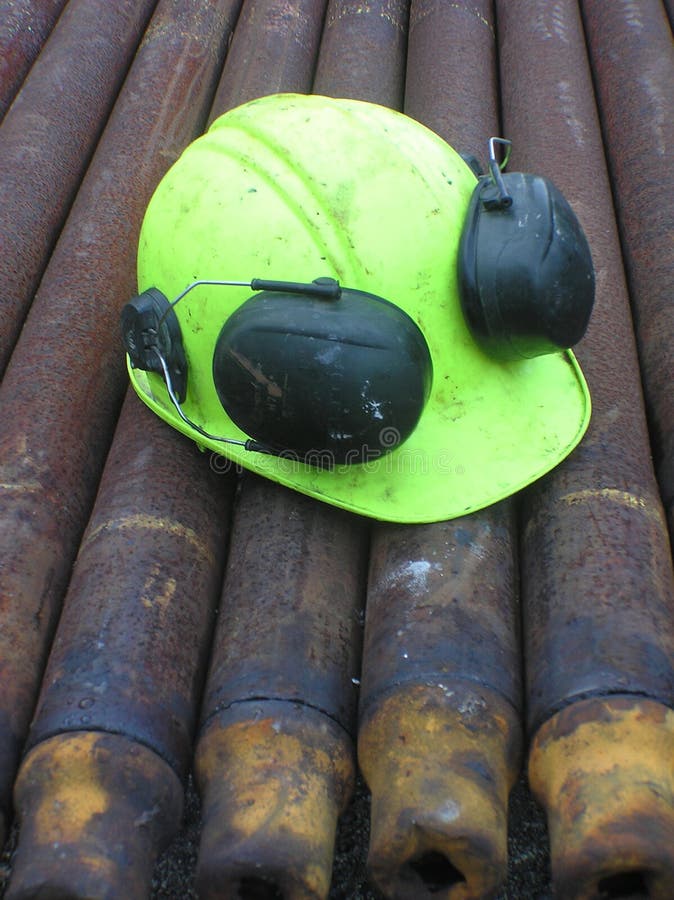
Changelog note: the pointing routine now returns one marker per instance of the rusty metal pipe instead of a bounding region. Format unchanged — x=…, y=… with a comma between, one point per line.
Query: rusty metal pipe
x=631, y=45
x=440, y=735
x=603, y=499
x=453, y=91
x=275, y=761
x=24, y=27
x=129, y=653
x=363, y=51
x=274, y=49
x=439, y=740
x=48, y=136
x=284, y=773
x=276, y=756
x=94, y=806
x=61, y=393
x=599, y=767
x=597, y=582
x=126, y=670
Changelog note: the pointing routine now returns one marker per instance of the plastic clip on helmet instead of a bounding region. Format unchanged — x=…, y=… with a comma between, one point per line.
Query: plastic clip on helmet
x=425, y=373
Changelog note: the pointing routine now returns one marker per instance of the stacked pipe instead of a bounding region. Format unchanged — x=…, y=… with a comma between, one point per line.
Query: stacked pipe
x=273, y=51
x=363, y=51
x=597, y=583
x=439, y=738
x=633, y=47
x=275, y=762
x=111, y=741
x=61, y=393
x=48, y=136
x=24, y=27
x=275, y=758
x=439, y=731
x=601, y=727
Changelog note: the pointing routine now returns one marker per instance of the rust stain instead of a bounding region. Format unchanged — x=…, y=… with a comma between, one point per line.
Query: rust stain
x=273, y=818
x=602, y=769
x=615, y=495
x=394, y=12
x=158, y=590
x=68, y=811
x=439, y=790
x=423, y=8
x=143, y=522
x=93, y=810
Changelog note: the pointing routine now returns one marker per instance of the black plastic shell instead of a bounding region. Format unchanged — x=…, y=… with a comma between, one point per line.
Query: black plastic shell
x=333, y=381
x=526, y=279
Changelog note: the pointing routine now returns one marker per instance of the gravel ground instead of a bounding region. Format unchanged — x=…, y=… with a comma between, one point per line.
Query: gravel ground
x=528, y=877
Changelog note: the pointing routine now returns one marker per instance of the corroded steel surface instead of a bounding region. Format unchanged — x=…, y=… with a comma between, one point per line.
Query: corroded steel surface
x=94, y=808
x=274, y=776
x=432, y=606
x=597, y=583
x=289, y=627
x=451, y=83
x=273, y=50
x=61, y=393
x=24, y=27
x=128, y=658
x=597, y=572
x=631, y=44
x=603, y=768
x=129, y=653
x=597, y=591
x=48, y=136
x=440, y=759
x=357, y=37
x=280, y=695
x=439, y=711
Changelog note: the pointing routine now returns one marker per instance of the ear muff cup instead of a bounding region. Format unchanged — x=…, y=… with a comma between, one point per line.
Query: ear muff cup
x=339, y=380
x=526, y=281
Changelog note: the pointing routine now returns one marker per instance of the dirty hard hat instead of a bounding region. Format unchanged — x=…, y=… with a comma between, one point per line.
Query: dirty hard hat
x=360, y=378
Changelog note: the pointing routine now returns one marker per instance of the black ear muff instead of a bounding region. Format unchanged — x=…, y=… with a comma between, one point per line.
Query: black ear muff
x=151, y=332
x=526, y=280
x=342, y=380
